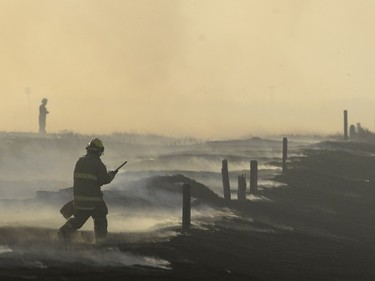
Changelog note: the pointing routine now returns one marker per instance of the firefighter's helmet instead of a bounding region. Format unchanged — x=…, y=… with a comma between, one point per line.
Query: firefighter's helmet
x=95, y=145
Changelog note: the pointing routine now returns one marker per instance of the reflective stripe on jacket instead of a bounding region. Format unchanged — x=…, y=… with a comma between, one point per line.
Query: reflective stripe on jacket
x=89, y=175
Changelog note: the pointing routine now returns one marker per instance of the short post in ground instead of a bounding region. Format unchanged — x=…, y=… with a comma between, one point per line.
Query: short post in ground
x=225, y=177
x=285, y=153
x=241, y=191
x=345, y=124
x=253, y=176
x=186, y=208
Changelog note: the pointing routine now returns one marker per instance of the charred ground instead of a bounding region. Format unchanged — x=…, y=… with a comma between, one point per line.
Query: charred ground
x=319, y=226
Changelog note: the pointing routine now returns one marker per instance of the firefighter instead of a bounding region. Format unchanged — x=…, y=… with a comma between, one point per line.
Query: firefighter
x=43, y=116
x=89, y=175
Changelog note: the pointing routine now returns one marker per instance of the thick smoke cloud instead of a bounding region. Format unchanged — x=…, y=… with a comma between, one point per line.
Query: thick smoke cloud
x=203, y=68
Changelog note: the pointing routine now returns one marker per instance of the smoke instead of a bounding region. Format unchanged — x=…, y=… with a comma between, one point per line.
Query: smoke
x=30, y=163
x=140, y=207
x=138, y=198
x=41, y=256
x=192, y=67
x=94, y=50
x=5, y=249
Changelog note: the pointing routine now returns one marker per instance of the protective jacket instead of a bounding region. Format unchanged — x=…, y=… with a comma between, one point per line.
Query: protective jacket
x=89, y=175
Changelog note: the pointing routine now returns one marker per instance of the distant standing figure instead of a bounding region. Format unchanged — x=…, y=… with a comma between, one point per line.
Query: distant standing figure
x=42, y=116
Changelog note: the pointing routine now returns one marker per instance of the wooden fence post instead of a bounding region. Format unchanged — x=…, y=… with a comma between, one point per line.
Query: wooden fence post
x=225, y=177
x=241, y=191
x=186, y=207
x=345, y=124
x=253, y=176
x=285, y=153
x=352, y=131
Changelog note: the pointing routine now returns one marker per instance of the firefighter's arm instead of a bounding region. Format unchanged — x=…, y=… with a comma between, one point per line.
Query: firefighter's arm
x=105, y=177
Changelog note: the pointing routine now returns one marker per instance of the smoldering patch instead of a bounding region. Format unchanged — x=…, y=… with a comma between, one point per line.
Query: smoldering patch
x=41, y=249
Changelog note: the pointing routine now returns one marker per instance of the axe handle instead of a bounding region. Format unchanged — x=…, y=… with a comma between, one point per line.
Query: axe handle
x=121, y=166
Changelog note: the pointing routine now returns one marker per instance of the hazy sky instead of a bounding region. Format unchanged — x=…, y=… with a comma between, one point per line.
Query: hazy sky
x=204, y=68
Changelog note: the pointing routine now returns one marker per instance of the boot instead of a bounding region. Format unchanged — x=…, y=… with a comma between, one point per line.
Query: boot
x=64, y=235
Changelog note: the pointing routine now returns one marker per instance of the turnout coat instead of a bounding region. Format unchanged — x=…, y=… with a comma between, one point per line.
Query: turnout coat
x=89, y=175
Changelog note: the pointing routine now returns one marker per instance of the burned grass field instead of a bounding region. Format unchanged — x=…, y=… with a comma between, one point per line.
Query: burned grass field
x=312, y=222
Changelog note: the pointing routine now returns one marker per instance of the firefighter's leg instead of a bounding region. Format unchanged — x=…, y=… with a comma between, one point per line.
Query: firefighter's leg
x=100, y=222
x=80, y=217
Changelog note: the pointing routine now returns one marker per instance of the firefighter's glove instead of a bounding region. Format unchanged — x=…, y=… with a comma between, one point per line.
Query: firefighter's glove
x=112, y=174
